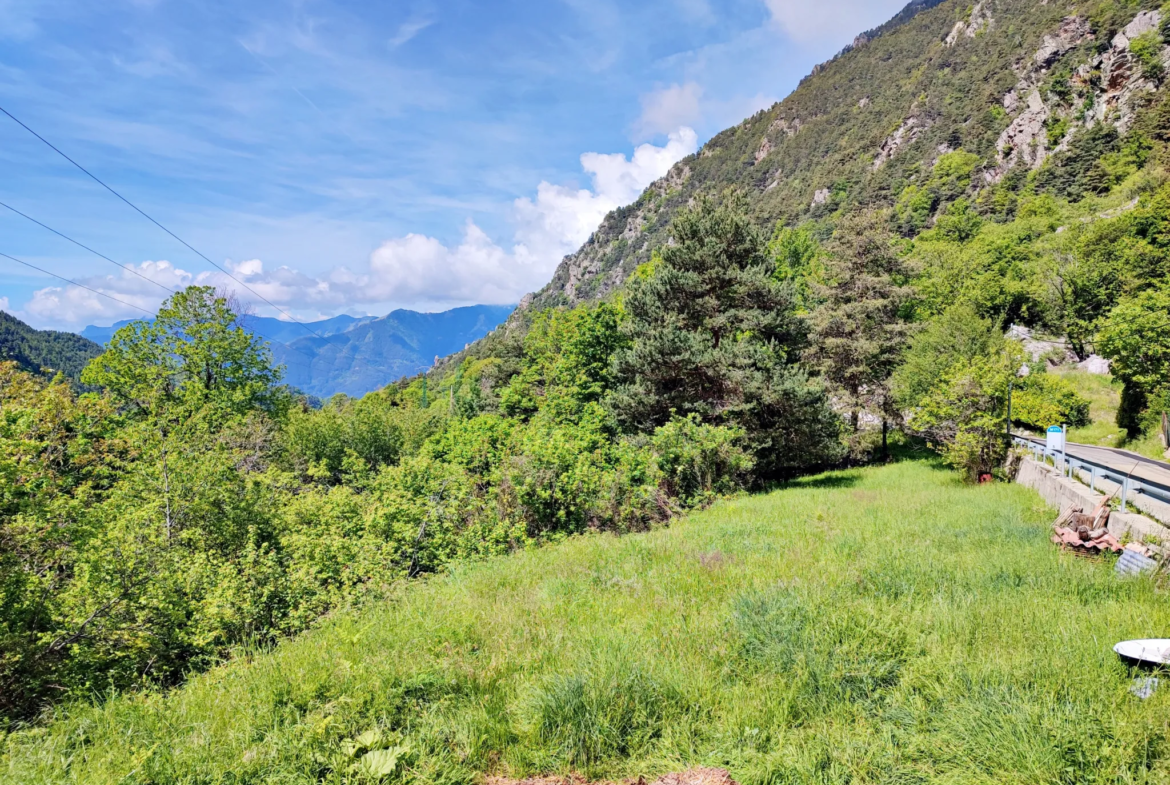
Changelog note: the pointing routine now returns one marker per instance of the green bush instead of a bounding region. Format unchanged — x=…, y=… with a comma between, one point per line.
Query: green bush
x=699, y=462
x=1041, y=400
x=1147, y=48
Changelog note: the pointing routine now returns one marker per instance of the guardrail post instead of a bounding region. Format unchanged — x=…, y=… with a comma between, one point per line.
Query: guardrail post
x=1093, y=479
x=1124, y=492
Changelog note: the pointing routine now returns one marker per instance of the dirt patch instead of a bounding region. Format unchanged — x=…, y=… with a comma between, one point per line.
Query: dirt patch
x=711, y=561
x=696, y=776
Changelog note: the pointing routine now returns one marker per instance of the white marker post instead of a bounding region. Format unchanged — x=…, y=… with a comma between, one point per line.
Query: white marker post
x=1056, y=442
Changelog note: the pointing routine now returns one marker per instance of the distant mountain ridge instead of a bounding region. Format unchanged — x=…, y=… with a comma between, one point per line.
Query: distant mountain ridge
x=356, y=355
x=44, y=351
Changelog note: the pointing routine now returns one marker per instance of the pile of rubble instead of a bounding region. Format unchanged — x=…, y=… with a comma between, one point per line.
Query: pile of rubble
x=1084, y=533
x=1087, y=534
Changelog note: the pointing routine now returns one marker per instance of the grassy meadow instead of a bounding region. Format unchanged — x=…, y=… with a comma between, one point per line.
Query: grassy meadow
x=884, y=625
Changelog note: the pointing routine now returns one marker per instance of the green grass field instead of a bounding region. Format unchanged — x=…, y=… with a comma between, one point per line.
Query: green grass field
x=885, y=625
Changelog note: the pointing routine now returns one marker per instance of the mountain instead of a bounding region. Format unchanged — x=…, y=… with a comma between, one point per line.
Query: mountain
x=371, y=353
x=44, y=351
x=266, y=327
x=355, y=355
x=1015, y=85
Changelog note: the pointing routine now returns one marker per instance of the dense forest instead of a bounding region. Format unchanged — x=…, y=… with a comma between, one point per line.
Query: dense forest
x=186, y=502
x=44, y=352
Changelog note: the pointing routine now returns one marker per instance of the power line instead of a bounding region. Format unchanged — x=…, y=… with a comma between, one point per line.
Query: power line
x=196, y=251
x=86, y=247
x=75, y=283
x=138, y=210
x=111, y=297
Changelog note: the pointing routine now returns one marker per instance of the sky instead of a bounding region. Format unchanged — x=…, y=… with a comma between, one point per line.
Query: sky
x=356, y=157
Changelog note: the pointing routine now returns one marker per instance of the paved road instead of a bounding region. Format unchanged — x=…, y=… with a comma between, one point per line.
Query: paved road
x=1123, y=462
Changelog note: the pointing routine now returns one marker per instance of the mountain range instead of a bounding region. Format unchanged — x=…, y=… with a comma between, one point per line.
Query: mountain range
x=355, y=355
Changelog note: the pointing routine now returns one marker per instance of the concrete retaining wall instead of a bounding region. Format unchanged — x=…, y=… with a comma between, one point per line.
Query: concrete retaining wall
x=1062, y=493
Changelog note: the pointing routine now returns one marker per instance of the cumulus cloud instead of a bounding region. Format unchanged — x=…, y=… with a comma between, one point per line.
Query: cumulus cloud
x=413, y=270
x=829, y=19
x=668, y=109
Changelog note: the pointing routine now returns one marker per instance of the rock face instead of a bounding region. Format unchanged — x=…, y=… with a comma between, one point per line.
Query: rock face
x=1107, y=85
x=979, y=21
x=1121, y=76
x=1026, y=138
x=910, y=129
x=1073, y=31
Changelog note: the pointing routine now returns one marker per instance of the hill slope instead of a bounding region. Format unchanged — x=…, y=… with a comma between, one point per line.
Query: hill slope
x=1008, y=82
x=44, y=351
x=884, y=625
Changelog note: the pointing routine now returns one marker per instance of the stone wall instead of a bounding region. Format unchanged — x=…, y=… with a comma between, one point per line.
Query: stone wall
x=1061, y=492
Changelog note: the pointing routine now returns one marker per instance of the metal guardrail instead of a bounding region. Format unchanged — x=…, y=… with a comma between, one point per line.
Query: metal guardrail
x=1096, y=470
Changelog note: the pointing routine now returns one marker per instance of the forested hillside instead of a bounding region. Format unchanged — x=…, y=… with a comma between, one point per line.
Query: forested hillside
x=44, y=351
x=828, y=280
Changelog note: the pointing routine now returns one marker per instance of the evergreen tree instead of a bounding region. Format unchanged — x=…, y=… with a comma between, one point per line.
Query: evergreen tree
x=714, y=334
x=859, y=330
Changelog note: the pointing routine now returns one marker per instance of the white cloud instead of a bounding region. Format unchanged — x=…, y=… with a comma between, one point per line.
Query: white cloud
x=414, y=270
x=807, y=22
x=4, y=304
x=408, y=30
x=667, y=109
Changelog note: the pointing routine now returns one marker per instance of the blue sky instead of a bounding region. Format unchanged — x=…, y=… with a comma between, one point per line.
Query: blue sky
x=357, y=157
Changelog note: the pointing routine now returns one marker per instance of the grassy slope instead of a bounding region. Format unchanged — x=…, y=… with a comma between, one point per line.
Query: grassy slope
x=1104, y=396
x=880, y=625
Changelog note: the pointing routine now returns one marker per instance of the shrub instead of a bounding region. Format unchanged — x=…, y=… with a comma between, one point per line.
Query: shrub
x=1041, y=400
x=698, y=462
x=1147, y=48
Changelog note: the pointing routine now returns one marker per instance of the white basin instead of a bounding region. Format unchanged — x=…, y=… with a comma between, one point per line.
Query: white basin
x=1150, y=651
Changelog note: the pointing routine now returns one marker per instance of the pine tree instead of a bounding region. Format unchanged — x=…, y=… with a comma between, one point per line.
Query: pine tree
x=860, y=331
x=714, y=334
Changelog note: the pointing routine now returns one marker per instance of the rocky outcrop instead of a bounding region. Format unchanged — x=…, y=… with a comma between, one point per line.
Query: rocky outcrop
x=979, y=21
x=1107, y=84
x=910, y=129
x=789, y=128
x=1074, y=30
x=764, y=149
x=1026, y=139
x=1122, y=79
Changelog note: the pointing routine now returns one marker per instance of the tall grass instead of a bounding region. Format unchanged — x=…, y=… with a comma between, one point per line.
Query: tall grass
x=885, y=625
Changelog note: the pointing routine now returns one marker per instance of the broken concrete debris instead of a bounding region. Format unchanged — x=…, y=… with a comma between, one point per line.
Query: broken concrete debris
x=1085, y=534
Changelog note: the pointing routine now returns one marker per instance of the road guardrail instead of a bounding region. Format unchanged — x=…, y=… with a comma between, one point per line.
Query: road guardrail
x=1069, y=464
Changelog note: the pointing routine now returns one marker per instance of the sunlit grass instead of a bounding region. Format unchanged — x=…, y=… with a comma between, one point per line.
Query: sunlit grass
x=886, y=625
x=1104, y=395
